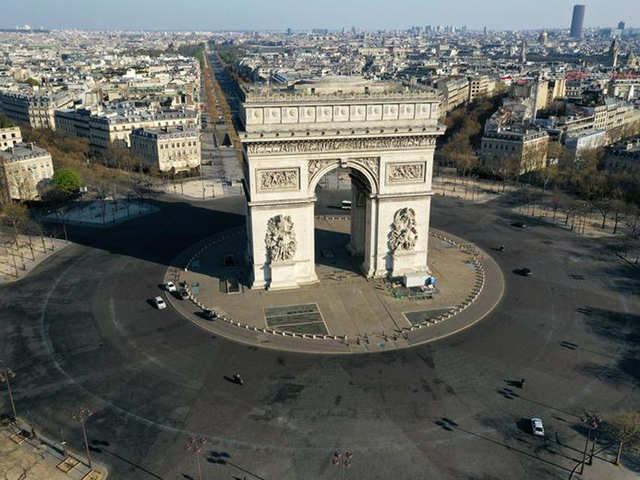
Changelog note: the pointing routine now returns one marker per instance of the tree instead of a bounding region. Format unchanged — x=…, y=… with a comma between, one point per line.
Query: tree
x=5, y=122
x=625, y=429
x=66, y=180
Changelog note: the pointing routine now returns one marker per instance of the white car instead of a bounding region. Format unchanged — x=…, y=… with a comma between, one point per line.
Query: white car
x=536, y=427
x=170, y=287
x=159, y=303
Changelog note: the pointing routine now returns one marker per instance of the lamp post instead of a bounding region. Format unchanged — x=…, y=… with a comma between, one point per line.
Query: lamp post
x=195, y=445
x=342, y=460
x=5, y=377
x=81, y=416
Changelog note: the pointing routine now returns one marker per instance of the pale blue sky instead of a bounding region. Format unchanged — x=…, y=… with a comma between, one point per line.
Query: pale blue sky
x=304, y=14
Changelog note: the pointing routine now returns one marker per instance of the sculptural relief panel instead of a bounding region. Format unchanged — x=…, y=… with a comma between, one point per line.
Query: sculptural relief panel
x=278, y=180
x=406, y=172
x=423, y=110
x=357, y=113
x=390, y=112
x=289, y=114
x=404, y=234
x=374, y=112
x=341, y=113
x=324, y=114
x=307, y=114
x=280, y=239
x=339, y=144
x=271, y=115
x=407, y=111
x=254, y=116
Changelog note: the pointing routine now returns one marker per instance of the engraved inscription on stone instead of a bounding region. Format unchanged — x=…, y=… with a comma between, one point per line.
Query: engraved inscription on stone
x=280, y=239
x=281, y=179
x=403, y=234
x=339, y=144
x=406, y=172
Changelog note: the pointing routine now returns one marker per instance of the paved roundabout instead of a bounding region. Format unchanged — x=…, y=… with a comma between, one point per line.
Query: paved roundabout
x=79, y=332
x=344, y=312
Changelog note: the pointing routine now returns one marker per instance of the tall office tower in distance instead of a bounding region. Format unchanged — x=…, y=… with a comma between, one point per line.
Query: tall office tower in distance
x=621, y=25
x=577, y=22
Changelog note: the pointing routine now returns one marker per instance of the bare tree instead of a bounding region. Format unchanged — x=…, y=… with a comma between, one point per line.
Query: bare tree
x=624, y=428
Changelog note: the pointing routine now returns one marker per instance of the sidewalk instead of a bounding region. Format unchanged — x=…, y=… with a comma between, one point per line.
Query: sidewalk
x=21, y=259
x=26, y=458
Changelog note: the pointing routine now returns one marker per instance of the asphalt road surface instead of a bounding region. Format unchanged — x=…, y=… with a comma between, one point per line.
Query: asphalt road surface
x=80, y=332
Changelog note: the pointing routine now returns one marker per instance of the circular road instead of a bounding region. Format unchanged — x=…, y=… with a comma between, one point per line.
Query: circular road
x=79, y=331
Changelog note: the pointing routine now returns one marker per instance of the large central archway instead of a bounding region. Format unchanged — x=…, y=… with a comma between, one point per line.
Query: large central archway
x=292, y=141
x=331, y=247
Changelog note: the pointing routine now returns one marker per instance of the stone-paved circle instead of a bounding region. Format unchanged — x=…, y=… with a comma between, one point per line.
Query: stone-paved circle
x=484, y=270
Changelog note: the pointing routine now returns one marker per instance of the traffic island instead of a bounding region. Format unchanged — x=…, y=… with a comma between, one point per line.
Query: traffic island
x=343, y=312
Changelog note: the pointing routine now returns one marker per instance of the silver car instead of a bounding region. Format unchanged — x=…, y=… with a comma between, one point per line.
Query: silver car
x=159, y=303
x=536, y=427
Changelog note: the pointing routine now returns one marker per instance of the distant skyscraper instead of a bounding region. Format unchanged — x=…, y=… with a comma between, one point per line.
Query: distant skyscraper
x=621, y=25
x=577, y=22
x=523, y=52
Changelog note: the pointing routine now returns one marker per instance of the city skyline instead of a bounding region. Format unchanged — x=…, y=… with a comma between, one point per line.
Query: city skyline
x=283, y=14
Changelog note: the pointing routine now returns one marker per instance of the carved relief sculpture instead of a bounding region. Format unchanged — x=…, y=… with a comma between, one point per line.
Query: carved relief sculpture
x=328, y=145
x=280, y=239
x=403, y=234
x=278, y=180
x=406, y=173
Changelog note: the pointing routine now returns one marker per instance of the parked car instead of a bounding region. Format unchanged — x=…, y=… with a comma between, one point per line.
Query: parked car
x=209, y=314
x=183, y=294
x=159, y=303
x=519, y=224
x=536, y=427
x=170, y=287
x=524, y=271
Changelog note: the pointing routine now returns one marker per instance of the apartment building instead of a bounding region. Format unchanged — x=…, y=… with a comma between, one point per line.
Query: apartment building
x=480, y=86
x=36, y=110
x=105, y=129
x=169, y=149
x=9, y=137
x=526, y=146
x=24, y=170
x=453, y=93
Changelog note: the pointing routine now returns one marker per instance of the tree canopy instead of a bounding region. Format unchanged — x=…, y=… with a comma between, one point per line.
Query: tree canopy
x=66, y=180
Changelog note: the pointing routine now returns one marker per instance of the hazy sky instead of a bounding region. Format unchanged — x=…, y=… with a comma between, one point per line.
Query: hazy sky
x=304, y=14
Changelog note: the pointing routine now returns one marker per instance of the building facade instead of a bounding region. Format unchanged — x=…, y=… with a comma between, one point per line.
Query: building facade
x=10, y=137
x=24, y=170
x=169, y=149
x=106, y=129
x=480, y=86
x=35, y=110
x=526, y=148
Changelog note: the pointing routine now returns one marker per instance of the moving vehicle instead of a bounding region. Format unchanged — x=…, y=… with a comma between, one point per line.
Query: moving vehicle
x=170, y=287
x=524, y=271
x=536, y=427
x=159, y=303
x=519, y=224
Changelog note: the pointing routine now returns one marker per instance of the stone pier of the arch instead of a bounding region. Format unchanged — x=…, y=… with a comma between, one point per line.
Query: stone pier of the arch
x=383, y=133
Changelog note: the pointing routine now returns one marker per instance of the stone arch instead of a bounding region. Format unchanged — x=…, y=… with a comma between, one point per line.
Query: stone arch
x=372, y=177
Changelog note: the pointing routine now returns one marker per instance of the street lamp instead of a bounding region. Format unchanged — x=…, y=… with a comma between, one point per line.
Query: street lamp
x=342, y=461
x=81, y=416
x=195, y=445
x=5, y=377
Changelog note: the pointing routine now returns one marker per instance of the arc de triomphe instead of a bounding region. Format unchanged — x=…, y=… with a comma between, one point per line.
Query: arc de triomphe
x=384, y=133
